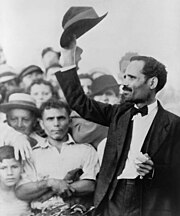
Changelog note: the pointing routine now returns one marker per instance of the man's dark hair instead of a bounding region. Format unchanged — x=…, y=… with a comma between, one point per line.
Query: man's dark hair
x=7, y=152
x=153, y=68
x=56, y=104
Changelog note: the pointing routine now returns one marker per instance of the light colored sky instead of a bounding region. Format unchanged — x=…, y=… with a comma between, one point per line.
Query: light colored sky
x=149, y=27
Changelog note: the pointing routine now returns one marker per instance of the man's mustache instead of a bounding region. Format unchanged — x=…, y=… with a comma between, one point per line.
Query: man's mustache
x=126, y=88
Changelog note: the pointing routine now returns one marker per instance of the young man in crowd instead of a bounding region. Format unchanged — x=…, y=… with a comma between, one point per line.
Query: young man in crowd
x=54, y=158
x=140, y=171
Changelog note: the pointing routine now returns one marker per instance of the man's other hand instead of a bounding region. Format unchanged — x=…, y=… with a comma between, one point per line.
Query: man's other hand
x=145, y=167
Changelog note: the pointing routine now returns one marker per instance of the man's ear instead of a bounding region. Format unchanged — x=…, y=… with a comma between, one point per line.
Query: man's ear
x=41, y=124
x=153, y=82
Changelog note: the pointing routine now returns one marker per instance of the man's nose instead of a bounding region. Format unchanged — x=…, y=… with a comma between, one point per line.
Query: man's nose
x=19, y=123
x=40, y=96
x=9, y=171
x=56, y=122
x=124, y=81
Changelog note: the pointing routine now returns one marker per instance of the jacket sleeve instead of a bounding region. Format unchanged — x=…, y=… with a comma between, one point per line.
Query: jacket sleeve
x=87, y=108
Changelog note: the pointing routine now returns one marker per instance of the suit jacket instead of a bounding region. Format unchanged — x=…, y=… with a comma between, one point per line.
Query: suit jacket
x=162, y=143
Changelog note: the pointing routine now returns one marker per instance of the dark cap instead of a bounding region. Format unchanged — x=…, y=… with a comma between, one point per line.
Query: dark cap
x=102, y=83
x=28, y=70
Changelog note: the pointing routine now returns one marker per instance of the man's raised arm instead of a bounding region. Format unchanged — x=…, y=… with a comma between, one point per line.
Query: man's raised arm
x=69, y=81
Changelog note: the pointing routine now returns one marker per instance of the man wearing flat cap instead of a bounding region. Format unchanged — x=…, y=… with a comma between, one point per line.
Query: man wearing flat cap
x=28, y=75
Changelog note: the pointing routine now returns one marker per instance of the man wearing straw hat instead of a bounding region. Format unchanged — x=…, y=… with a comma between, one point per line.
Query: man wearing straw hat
x=21, y=114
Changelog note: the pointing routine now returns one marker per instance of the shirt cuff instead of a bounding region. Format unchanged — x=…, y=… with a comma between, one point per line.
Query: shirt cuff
x=64, y=69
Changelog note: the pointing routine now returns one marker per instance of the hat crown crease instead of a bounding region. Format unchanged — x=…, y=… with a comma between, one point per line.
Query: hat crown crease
x=88, y=14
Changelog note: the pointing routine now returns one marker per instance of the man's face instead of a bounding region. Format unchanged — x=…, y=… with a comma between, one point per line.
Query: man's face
x=136, y=86
x=41, y=93
x=10, y=171
x=55, y=123
x=108, y=96
x=21, y=120
x=86, y=85
x=29, y=78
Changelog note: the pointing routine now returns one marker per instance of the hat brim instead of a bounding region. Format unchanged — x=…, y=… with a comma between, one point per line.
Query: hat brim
x=8, y=106
x=78, y=29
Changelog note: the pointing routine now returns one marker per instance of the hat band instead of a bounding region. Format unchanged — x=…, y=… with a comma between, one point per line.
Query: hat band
x=88, y=14
x=6, y=78
x=25, y=103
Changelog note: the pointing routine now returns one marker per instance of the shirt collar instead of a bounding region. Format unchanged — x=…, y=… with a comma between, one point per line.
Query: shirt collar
x=46, y=144
x=151, y=106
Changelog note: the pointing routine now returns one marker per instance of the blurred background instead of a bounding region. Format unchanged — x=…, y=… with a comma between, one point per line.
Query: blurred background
x=148, y=27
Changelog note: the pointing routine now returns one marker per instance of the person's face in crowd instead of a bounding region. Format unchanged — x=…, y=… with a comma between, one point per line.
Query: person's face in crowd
x=21, y=120
x=55, y=123
x=10, y=85
x=10, y=172
x=41, y=93
x=108, y=96
x=29, y=78
x=86, y=85
x=50, y=58
x=136, y=86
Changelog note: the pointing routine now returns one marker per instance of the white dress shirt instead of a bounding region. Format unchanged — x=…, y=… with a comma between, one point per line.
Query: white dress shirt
x=141, y=126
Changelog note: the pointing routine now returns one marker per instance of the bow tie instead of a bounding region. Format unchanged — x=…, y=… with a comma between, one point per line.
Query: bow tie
x=143, y=110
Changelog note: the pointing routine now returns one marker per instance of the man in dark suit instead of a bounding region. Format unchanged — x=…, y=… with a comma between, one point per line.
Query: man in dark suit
x=139, y=172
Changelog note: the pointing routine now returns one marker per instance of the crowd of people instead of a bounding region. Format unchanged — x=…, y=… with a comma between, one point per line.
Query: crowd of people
x=86, y=144
x=66, y=150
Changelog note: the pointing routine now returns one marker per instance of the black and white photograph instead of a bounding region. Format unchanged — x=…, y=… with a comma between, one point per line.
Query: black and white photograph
x=89, y=108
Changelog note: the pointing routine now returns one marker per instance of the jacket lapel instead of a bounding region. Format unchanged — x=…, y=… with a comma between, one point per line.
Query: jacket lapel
x=123, y=129
x=112, y=154
x=157, y=132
